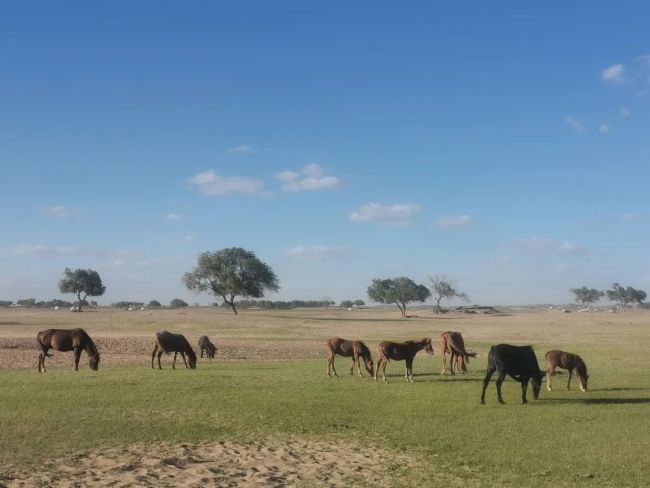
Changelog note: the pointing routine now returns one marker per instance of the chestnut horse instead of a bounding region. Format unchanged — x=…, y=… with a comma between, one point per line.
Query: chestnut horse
x=452, y=343
x=353, y=349
x=400, y=351
x=168, y=342
x=570, y=362
x=67, y=340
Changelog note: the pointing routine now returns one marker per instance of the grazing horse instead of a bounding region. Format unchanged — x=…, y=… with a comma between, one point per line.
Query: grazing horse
x=570, y=362
x=353, y=349
x=206, y=345
x=453, y=343
x=67, y=340
x=518, y=362
x=400, y=351
x=168, y=342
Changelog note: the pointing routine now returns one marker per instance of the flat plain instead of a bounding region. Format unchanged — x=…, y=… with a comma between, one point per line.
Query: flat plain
x=263, y=413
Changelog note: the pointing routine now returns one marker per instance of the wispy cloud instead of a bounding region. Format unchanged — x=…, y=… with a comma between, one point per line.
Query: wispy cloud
x=318, y=252
x=64, y=212
x=603, y=128
x=537, y=245
x=211, y=184
x=310, y=177
x=614, y=74
x=189, y=238
x=174, y=216
x=70, y=251
x=241, y=149
x=575, y=124
x=624, y=112
x=630, y=217
x=455, y=222
x=399, y=213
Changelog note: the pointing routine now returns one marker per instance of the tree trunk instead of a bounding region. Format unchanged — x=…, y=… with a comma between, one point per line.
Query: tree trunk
x=78, y=302
x=231, y=304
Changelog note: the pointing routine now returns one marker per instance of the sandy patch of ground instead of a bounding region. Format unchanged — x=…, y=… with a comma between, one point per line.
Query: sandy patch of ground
x=17, y=353
x=224, y=464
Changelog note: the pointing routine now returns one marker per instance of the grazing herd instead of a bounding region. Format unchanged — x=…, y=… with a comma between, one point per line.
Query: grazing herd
x=518, y=362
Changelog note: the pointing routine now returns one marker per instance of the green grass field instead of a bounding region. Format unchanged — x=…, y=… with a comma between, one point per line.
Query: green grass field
x=565, y=439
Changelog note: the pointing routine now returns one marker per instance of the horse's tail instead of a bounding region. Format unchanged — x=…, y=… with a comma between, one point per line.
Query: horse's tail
x=40, y=340
x=460, y=349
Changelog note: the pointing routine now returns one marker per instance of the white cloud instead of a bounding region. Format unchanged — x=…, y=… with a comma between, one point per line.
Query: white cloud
x=540, y=245
x=614, y=74
x=575, y=124
x=241, y=149
x=455, y=222
x=603, y=128
x=399, y=213
x=628, y=217
x=211, y=184
x=311, y=177
x=189, y=238
x=624, y=112
x=59, y=211
x=174, y=216
x=318, y=252
x=40, y=250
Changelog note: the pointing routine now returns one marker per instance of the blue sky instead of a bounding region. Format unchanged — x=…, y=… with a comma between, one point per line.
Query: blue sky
x=505, y=146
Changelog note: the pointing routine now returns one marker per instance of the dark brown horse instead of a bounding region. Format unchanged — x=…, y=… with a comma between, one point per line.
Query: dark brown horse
x=401, y=351
x=353, y=349
x=452, y=343
x=571, y=362
x=67, y=340
x=168, y=342
x=205, y=344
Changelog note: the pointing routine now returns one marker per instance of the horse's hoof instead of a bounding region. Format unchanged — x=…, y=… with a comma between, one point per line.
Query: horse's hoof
x=482, y=402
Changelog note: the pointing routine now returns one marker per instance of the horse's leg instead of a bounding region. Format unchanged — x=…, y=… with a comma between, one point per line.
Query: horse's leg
x=377, y=370
x=500, y=379
x=524, y=387
x=201, y=352
x=443, y=358
x=549, y=376
x=40, y=360
x=568, y=385
x=77, y=356
x=383, y=370
x=409, y=369
x=160, y=353
x=153, y=354
x=486, y=381
x=453, y=361
x=174, y=362
x=329, y=365
x=184, y=362
x=354, y=362
x=333, y=368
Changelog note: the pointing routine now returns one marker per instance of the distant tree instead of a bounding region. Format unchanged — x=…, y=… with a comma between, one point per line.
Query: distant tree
x=5, y=303
x=359, y=303
x=83, y=283
x=346, y=303
x=26, y=302
x=399, y=291
x=229, y=273
x=624, y=296
x=586, y=296
x=93, y=303
x=127, y=304
x=154, y=304
x=178, y=303
x=444, y=288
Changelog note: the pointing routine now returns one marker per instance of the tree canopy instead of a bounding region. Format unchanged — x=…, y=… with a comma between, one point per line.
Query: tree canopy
x=625, y=296
x=399, y=291
x=154, y=304
x=83, y=283
x=444, y=288
x=587, y=296
x=229, y=273
x=178, y=303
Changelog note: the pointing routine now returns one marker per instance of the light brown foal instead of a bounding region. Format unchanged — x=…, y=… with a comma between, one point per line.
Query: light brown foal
x=353, y=349
x=571, y=362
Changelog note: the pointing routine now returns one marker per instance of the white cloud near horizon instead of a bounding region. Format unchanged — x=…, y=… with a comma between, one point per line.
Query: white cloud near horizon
x=455, y=222
x=318, y=252
x=174, y=216
x=211, y=184
x=399, y=213
x=614, y=74
x=241, y=149
x=310, y=177
x=575, y=124
x=536, y=245
x=59, y=211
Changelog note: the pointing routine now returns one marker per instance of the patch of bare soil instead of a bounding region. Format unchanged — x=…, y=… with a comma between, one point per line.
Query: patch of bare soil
x=223, y=464
x=17, y=353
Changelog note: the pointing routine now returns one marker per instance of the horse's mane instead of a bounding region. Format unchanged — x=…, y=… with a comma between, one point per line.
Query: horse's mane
x=90, y=345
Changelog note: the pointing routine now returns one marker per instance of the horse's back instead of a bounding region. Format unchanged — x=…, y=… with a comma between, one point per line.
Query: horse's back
x=170, y=342
x=565, y=360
